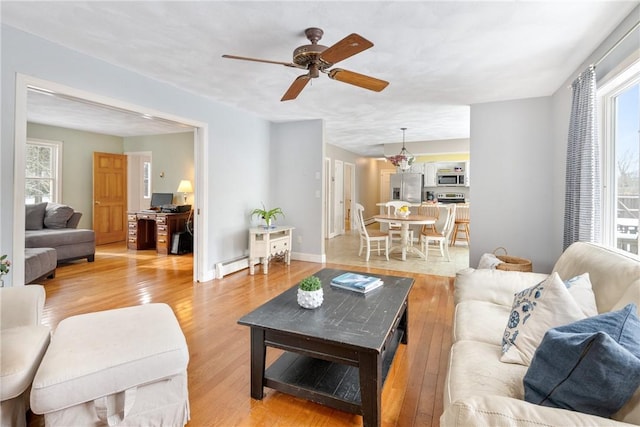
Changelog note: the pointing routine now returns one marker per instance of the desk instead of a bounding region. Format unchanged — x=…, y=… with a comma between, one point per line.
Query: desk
x=153, y=230
x=405, y=245
x=267, y=242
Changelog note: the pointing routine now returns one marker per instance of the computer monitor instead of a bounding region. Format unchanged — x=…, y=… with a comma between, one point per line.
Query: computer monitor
x=160, y=199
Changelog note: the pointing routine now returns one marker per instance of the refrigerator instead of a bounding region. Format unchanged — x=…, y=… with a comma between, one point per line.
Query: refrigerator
x=406, y=187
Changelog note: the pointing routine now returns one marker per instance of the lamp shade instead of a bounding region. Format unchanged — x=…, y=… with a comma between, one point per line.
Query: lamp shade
x=185, y=186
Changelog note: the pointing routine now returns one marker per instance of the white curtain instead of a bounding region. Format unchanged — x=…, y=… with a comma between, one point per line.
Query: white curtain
x=582, y=200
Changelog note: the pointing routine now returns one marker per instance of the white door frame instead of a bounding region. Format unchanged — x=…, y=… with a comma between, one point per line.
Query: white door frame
x=328, y=213
x=201, y=160
x=350, y=169
x=338, y=207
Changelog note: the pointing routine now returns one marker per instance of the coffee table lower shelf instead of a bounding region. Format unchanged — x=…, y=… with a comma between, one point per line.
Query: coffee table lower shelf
x=328, y=383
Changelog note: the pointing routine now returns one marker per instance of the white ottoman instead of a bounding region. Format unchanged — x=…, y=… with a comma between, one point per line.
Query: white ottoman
x=117, y=367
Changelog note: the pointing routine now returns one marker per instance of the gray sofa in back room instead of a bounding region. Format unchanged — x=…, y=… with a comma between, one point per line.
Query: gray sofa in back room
x=51, y=225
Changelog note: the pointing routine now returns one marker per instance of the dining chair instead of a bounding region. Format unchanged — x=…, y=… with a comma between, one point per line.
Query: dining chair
x=370, y=236
x=396, y=227
x=442, y=236
x=461, y=227
x=432, y=210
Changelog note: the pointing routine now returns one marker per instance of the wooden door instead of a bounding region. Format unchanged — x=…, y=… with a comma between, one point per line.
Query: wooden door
x=109, y=197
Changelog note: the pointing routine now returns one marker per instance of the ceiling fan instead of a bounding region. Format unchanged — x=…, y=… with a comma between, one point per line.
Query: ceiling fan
x=317, y=58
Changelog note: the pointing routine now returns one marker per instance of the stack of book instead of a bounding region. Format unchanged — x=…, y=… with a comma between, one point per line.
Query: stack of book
x=356, y=282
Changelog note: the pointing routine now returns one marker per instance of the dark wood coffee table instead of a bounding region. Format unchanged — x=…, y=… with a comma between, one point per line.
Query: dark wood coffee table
x=338, y=354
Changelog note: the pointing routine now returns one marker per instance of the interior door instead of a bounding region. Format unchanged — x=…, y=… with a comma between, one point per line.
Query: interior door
x=339, y=196
x=109, y=197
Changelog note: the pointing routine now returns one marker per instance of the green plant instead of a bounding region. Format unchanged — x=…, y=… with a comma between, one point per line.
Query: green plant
x=4, y=265
x=267, y=214
x=311, y=283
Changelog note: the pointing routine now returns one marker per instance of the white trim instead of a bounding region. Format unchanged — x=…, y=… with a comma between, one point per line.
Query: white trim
x=625, y=77
x=201, y=151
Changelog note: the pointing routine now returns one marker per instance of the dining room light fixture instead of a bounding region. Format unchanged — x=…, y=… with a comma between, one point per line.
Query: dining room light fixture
x=184, y=188
x=404, y=159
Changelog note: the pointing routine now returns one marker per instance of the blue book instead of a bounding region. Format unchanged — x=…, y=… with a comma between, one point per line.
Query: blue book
x=356, y=282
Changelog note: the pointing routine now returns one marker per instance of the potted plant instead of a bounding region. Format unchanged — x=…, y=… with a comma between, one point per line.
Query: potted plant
x=310, y=293
x=267, y=215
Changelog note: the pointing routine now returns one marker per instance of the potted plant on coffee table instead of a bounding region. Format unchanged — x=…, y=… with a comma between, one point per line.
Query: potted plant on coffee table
x=310, y=293
x=267, y=214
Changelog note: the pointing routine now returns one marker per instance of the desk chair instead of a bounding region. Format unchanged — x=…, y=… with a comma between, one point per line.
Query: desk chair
x=367, y=236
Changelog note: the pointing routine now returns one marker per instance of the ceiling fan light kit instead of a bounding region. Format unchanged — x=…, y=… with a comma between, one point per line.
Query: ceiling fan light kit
x=316, y=59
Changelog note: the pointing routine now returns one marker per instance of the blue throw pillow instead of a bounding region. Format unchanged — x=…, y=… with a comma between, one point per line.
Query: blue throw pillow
x=590, y=366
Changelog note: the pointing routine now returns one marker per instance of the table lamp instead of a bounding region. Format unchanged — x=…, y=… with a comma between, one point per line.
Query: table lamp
x=184, y=188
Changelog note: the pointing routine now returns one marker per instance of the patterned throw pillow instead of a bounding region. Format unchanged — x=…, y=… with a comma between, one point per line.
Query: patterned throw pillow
x=535, y=310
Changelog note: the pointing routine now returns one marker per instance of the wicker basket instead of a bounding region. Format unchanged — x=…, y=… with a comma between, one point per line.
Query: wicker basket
x=512, y=263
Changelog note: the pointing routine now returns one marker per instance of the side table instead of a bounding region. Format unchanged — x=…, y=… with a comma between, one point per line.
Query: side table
x=265, y=243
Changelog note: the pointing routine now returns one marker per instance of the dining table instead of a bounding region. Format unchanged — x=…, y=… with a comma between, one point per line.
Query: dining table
x=405, y=221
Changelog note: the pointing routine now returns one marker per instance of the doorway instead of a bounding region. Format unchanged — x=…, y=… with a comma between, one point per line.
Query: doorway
x=26, y=83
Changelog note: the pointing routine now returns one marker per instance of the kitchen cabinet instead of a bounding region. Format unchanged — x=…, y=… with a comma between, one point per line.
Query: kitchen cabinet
x=430, y=171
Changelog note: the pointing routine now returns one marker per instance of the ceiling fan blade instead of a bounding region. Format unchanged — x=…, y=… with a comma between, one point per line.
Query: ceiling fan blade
x=296, y=87
x=356, y=79
x=345, y=48
x=244, y=58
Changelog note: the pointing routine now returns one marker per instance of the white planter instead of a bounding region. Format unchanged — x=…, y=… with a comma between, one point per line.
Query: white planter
x=310, y=299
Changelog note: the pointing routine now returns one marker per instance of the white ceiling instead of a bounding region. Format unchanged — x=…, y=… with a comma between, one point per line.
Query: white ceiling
x=439, y=57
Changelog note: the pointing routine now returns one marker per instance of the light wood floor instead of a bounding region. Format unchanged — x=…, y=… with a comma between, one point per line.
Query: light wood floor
x=219, y=347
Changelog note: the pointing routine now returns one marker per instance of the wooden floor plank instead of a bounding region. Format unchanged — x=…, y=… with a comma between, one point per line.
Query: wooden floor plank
x=219, y=351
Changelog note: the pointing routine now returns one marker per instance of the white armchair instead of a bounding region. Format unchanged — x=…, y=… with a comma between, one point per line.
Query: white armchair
x=24, y=341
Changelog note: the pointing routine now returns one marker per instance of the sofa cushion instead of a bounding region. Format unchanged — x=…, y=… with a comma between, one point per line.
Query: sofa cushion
x=496, y=286
x=480, y=321
x=535, y=310
x=56, y=215
x=475, y=370
x=34, y=216
x=591, y=366
x=54, y=238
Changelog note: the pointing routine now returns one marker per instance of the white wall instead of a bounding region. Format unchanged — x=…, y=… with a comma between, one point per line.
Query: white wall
x=296, y=162
x=511, y=148
x=524, y=142
x=238, y=143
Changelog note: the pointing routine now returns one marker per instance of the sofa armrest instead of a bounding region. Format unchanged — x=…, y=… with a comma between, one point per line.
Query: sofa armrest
x=21, y=306
x=507, y=411
x=74, y=220
x=495, y=286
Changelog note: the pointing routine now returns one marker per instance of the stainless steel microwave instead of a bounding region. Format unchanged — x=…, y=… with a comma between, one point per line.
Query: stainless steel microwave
x=451, y=180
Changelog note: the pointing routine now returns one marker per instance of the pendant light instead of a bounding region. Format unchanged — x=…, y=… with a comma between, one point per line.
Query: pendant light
x=404, y=160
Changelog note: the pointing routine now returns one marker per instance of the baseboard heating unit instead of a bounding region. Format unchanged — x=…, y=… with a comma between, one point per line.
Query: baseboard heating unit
x=231, y=266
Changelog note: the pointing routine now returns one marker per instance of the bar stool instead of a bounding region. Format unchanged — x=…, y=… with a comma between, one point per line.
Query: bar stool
x=462, y=224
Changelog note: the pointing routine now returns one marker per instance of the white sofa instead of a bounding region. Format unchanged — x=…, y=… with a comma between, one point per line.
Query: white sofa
x=482, y=390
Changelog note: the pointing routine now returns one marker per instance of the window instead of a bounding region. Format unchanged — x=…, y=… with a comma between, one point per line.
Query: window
x=146, y=180
x=43, y=171
x=620, y=110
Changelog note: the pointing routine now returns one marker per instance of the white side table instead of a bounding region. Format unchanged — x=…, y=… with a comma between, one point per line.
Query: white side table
x=267, y=242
